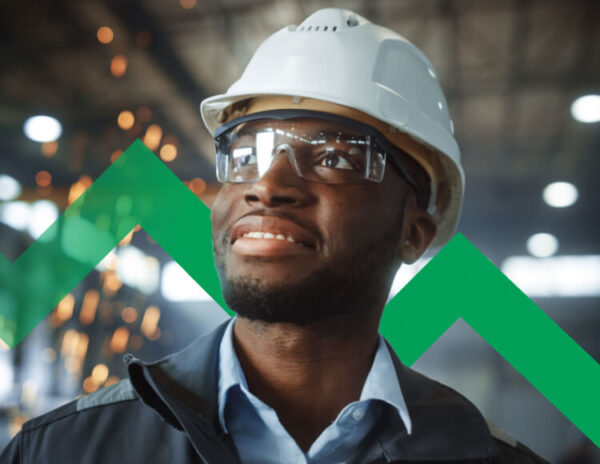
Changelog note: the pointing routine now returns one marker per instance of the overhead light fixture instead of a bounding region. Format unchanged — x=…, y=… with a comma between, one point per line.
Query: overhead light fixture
x=42, y=128
x=10, y=188
x=586, y=109
x=542, y=245
x=558, y=276
x=560, y=194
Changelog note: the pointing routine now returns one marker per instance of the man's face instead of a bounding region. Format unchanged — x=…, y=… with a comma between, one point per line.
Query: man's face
x=332, y=249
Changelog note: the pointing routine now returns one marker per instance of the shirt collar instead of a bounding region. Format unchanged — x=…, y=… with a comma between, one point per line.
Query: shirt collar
x=230, y=371
x=381, y=382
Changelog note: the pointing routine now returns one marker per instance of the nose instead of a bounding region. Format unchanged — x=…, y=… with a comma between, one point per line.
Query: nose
x=279, y=185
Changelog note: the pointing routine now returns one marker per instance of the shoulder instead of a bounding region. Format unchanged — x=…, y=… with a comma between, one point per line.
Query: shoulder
x=110, y=425
x=104, y=398
x=440, y=410
x=432, y=392
x=510, y=450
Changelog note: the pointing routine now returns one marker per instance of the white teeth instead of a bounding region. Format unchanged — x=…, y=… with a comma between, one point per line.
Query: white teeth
x=268, y=235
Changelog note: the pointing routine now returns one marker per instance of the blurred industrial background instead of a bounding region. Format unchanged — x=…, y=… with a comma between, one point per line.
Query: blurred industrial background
x=523, y=85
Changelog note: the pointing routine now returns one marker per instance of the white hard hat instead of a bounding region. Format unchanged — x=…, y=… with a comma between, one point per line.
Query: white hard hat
x=340, y=57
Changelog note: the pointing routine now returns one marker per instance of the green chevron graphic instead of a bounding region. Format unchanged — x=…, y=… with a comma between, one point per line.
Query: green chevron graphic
x=460, y=282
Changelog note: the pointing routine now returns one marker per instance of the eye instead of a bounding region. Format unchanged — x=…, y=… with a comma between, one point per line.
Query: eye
x=335, y=160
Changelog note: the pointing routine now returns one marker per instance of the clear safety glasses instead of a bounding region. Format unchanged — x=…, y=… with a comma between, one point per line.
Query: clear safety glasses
x=333, y=149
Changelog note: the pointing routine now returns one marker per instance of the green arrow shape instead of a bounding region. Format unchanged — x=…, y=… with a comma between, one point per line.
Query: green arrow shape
x=460, y=281
x=138, y=188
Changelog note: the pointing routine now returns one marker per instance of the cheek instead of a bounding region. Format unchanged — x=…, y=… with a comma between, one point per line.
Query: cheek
x=353, y=220
x=216, y=217
x=221, y=209
x=216, y=209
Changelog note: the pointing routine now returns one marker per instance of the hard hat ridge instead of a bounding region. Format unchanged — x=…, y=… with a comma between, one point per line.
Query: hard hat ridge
x=330, y=20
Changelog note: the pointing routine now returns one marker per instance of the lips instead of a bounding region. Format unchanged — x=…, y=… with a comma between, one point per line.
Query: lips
x=273, y=229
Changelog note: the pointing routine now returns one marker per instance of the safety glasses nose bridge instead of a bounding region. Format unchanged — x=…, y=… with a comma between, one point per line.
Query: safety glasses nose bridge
x=267, y=156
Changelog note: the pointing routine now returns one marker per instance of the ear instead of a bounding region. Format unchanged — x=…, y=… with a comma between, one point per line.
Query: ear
x=418, y=231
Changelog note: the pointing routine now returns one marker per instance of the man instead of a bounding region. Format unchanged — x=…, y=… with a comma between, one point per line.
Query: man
x=338, y=162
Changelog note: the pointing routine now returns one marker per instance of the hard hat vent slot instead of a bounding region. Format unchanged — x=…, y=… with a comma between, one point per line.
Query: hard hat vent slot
x=352, y=21
x=316, y=29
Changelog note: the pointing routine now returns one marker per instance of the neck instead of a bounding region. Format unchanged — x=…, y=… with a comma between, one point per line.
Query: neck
x=307, y=374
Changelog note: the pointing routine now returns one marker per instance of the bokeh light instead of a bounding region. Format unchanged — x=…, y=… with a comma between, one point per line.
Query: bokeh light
x=118, y=66
x=125, y=120
x=42, y=128
x=153, y=136
x=105, y=35
x=168, y=152
x=43, y=178
x=43, y=213
x=99, y=373
x=187, y=4
x=560, y=194
x=49, y=149
x=542, y=245
x=197, y=185
x=586, y=109
x=15, y=214
x=129, y=314
x=115, y=155
x=10, y=188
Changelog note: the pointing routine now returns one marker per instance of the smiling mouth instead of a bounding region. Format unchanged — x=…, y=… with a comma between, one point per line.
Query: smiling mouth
x=267, y=244
x=271, y=236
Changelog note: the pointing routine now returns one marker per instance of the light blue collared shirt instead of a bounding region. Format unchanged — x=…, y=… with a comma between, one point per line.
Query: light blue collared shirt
x=261, y=439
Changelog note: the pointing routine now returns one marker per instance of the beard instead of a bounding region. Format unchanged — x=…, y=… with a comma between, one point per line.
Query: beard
x=347, y=287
